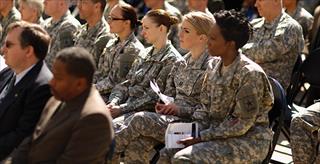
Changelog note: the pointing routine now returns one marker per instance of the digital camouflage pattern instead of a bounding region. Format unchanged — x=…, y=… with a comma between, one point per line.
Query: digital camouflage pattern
x=305, y=135
x=94, y=39
x=233, y=120
x=62, y=35
x=144, y=130
x=304, y=18
x=275, y=46
x=135, y=93
x=115, y=62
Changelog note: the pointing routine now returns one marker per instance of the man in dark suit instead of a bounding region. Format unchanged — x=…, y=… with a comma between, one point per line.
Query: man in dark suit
x=75, y=126
x=24, y=88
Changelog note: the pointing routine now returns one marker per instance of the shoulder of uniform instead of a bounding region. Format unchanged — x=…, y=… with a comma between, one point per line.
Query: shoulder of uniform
x=257, y=22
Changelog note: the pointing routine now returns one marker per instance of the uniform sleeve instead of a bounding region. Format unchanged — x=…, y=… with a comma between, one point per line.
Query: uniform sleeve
x=170, y=89
x=119, y=72
x=67, y=35
x=249, y=104
x=187, y=111
x=120, y=91
x=283, y=41
x=150, y=96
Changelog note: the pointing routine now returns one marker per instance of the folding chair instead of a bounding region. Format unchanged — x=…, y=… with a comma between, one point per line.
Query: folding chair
x=305, y=73
x=276, y=115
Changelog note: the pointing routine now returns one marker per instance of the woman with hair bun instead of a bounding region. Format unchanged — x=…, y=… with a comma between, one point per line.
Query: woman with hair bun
x=135, y=94
x=118, y=55
x=147, y=129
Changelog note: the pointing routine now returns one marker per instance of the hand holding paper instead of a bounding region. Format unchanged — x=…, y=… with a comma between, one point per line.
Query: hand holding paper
x=166, y=99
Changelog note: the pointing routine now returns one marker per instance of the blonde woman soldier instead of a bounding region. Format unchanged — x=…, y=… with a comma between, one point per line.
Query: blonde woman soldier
x=143, y=130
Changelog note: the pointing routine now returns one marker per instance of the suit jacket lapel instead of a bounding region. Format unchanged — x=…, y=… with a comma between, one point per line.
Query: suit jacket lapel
x=49, y=122
x=18, y=89
x=6, y=75
x=60, y=117
x=47, y=113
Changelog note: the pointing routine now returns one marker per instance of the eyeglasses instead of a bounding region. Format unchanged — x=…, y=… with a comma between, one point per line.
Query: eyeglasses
x=110, y=18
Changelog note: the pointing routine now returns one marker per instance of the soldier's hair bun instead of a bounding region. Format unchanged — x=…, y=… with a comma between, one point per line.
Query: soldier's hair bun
x=129, y=13
x=234, y=26
x=162, y=17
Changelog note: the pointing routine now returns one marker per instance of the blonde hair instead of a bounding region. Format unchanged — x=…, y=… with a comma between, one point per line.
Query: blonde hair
x=201, y=21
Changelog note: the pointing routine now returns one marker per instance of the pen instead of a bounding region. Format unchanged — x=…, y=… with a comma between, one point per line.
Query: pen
x=178, y=133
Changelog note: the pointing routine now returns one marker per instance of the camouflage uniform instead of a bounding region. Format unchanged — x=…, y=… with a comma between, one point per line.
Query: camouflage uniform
x=144, y=130
x=13, y=16
x=115, y=63
x=62, y=34
x=233, y=120
x=94, y=39
x=275, y=46
x=135, y=93
x=305, y=19
x=305, y=135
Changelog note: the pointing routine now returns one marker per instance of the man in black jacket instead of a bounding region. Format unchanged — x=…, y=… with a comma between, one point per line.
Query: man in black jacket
x=24, y=88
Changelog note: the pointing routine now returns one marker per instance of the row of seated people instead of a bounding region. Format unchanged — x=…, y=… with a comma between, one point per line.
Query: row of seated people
x=76, y=112
x=131, y=92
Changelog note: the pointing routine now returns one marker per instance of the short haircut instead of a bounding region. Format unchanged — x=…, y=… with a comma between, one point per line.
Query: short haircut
x=79, y=62
x=35, y=4
x=162, y=17
x=102, y=2
x=129, y=13
x=234, y=26
x=201, y=22
x=32, y=35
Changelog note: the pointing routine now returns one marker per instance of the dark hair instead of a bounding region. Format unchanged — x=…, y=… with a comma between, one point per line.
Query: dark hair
x=129, y=13
x=79, y=62
x=32, y=35
x=102, y=2
x=162, y=17
x=234, y=26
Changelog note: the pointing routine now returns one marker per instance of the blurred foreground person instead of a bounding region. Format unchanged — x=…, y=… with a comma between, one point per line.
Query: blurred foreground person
x=75, y=126
x=24, y=88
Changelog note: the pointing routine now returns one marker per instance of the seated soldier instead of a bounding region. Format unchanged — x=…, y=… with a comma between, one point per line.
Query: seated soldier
x=120, y=52
x=135, y=93
x=276, y=42
x=143, y=130
x=236, y=97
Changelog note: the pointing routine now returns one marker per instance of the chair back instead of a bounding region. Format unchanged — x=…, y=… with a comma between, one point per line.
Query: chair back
x=276, y=115
x=306, y=72
x=310, y=68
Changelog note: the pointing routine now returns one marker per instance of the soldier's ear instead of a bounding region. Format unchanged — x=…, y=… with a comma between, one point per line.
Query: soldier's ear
x=162, y=27
x=231, y=44
x=127, y=22
x=203, y=37
x=97, y=6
